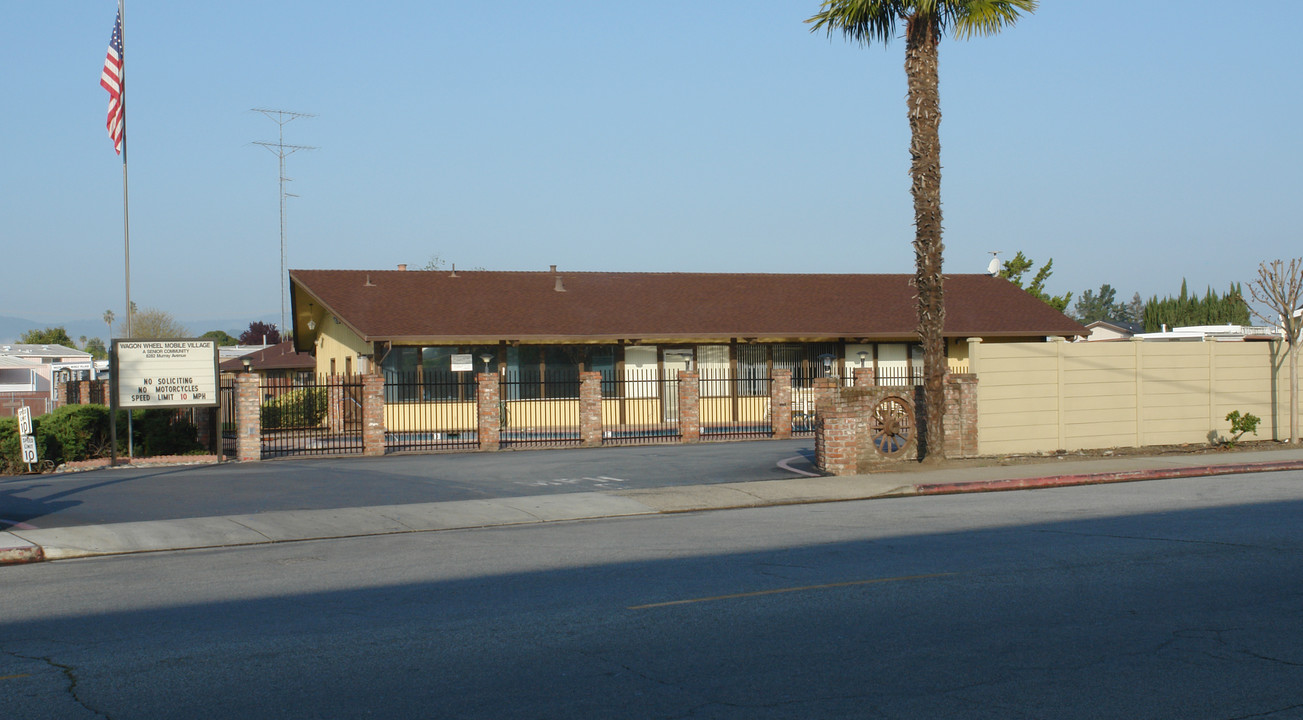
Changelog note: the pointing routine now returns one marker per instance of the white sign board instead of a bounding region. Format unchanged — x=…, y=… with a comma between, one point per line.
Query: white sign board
x=24, y=420
x=165, y=373
x=463, y=363
x=29, y=449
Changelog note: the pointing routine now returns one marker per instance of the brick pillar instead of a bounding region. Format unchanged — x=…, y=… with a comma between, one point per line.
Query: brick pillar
x=864, y=377
x=689, y=406
x=590, y=408
x=780, y=403
x=248, y=423
x=961, y=415
x=835, y=447
x=826, y=396
x=489, y=416
x=83, y=392
x=373, y=415
x=335, y=403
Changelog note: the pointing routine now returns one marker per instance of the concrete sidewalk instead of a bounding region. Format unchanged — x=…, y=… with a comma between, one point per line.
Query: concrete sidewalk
x=22, y=546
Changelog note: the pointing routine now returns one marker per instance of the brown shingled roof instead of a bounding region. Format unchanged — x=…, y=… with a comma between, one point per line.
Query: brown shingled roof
x=429, y=306
x=274, y=357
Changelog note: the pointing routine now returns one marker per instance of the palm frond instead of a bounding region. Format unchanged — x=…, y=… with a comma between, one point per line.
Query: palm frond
x=860, y=20
x=989, y=17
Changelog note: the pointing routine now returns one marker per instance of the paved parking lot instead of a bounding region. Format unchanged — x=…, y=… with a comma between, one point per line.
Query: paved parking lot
x=165, y=493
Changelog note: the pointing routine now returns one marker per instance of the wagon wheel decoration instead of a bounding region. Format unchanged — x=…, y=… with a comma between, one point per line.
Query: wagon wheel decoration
x=892, y=426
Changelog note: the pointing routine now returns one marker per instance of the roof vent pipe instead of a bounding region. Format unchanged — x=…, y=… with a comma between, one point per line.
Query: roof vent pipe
x=560, y=285
x=454, y=270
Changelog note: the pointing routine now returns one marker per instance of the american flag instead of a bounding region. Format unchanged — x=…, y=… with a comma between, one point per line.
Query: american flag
x=111, y=80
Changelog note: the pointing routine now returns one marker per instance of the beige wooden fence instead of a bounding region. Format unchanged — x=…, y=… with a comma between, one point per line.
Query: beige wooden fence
x=1042, y=397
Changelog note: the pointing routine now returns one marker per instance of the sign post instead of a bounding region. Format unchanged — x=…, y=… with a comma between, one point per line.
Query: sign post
x=163, y=374
x=25, y=436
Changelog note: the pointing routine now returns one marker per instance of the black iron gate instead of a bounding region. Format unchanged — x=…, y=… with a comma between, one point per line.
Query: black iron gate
x=311, y=416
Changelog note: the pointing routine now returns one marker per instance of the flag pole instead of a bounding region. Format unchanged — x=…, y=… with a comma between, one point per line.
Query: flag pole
x=126, y=215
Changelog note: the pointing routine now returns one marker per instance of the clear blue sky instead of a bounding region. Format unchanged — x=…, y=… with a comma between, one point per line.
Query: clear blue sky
x=1135, y=143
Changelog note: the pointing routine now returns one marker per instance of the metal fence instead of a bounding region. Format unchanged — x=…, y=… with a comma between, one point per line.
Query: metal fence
x=538, y=409
x=640, y=408
x=226, y=416
x=430, y=411
x=734, y=404
x=319, y=415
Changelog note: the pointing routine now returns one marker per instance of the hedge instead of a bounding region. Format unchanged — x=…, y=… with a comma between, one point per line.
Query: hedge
x=81, y=432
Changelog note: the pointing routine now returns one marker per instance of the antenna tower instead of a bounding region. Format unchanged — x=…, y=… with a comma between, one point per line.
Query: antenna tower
x=282, y=151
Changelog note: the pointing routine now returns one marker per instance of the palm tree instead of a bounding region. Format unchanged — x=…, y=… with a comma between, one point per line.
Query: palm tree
x=108, y=320
x=925, y=22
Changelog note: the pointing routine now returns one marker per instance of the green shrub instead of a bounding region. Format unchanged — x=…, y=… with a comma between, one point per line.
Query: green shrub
x=159, y=431
x=1240, y=424
x=81, y=432
x=301, y=408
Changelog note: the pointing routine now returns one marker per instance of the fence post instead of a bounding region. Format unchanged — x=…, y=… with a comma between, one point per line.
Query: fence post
x=689, y=406
x=248, y=422
x=961, y=415
x=488, y=422
x=864, y=377
x=373, y=415
x=61, y=394
x=835, y=446
x=825, y=394
x=335, y=403
x=780, y=403
x=590, y=408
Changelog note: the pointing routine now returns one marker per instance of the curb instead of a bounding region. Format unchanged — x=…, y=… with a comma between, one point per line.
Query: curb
x=1104, y=478
x=16, y=551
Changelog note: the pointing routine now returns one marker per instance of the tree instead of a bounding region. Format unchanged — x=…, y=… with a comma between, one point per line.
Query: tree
x=1013, y=270
x=1280, y=288
x=221, y=336
x=95, y=347
x=260, y=333
x=155, y=323
x=1185, y=309
x=108, y=320
x=48, y=336
x=925, y=22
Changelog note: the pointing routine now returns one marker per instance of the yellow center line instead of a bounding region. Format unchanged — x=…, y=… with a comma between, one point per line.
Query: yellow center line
x=778, y=591
x=14, y=677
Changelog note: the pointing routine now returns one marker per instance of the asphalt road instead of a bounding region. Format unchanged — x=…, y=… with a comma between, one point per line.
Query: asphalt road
x=165, y=493
x=1165, y=599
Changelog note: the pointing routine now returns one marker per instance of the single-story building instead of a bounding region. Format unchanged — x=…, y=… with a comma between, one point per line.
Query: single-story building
x=30, y=372
x=538, y=324
x=273, y=362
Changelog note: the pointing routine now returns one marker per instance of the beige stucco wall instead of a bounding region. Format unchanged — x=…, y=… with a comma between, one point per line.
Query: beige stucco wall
x=336, y=341
x=1042, y=397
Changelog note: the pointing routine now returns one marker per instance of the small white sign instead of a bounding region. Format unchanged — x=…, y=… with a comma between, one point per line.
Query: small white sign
x=29, y=449
x=25, y=421
x=165, y=373
x=463, y=363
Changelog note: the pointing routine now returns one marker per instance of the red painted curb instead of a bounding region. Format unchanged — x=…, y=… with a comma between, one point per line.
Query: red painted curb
x=1102, y=478
x=22, y=555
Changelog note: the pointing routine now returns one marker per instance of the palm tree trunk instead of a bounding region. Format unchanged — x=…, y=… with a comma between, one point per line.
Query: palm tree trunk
x=922, y=37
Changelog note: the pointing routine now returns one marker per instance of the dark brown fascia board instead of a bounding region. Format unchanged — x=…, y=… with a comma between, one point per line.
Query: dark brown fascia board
x=648, y=339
